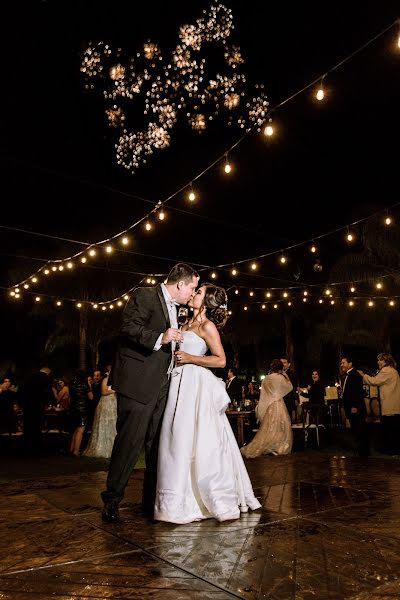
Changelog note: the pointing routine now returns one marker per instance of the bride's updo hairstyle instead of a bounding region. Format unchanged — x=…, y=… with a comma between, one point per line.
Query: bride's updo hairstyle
x=216, y=304
x=276, y=366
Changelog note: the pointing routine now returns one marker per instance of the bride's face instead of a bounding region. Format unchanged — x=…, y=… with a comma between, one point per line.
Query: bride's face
x=198, y=298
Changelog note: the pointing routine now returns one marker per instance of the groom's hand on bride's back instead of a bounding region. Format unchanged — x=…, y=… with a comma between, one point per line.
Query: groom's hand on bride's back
x=171, y=335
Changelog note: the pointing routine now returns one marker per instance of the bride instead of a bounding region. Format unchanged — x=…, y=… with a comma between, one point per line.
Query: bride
x=104, y=424
x=201, y=473
x=275, y=433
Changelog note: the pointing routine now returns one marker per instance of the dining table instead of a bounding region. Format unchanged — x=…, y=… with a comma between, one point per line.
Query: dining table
x=238, y=417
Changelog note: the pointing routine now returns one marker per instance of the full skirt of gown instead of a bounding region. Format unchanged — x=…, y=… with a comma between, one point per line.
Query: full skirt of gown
x=274, y=435
x=104, y=430
x=201, y=473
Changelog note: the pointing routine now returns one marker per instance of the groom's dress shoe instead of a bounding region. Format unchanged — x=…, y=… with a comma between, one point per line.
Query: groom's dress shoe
x=110, y=512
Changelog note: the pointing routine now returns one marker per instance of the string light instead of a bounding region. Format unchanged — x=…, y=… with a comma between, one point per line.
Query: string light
x=95, y=63
x=268, y=130
x=398, y=37
x=191, y=194
x=388, y=220
x=320, y=95
x=227, y=166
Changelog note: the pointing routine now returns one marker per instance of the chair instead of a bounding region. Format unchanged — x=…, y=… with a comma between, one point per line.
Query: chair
x=312, y=417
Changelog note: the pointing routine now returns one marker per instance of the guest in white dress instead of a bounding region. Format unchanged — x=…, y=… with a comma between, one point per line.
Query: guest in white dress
x=201, y=473
x=275, y=433
x=104, y=429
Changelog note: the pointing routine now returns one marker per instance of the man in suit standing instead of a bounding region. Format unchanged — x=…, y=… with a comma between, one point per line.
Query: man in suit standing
x=354, y=405
x=233, y=386
x=290, y=398
x=140, y=378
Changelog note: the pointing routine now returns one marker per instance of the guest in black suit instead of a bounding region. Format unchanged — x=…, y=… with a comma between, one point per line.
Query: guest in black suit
x=290, y=398
x=354, y=405
x=140, y=377
x=233, y=386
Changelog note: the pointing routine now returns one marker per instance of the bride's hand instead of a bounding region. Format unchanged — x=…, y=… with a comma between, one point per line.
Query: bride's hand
x=182, y=358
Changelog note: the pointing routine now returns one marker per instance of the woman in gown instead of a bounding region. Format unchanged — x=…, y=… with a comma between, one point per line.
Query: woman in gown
x=275, y=433
x=201, y=473
x=104, y=424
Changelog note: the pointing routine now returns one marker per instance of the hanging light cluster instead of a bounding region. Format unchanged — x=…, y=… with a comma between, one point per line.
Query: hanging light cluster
x=99, y=65
x=182, y=86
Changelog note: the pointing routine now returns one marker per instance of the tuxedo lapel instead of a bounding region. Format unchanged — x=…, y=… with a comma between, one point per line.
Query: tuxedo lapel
x=163, y=305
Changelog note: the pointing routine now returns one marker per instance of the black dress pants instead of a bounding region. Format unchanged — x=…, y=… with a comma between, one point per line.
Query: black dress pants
x=138, y=426
x=359, y=429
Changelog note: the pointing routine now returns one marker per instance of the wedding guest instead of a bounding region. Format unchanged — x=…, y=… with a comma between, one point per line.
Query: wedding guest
x=79, y=409
x=104, y=430
x=36, y=393
x=290, y=397
x=388, y=382
x=275, y=433
x=354, y=405
x=234, y=386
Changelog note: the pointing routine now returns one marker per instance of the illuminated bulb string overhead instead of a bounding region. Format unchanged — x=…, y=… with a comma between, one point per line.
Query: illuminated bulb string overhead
x=215, y=27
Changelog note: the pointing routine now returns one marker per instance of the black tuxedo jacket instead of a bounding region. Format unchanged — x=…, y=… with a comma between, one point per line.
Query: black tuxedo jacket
x=138, y=371
x=353, y=393
x=235, y=390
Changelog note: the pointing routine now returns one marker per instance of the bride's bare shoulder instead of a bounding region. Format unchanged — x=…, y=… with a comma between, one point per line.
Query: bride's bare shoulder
x=208, y=328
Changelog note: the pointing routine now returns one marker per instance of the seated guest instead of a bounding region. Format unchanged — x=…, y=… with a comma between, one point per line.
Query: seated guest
x=316, y=396
x=8, y=417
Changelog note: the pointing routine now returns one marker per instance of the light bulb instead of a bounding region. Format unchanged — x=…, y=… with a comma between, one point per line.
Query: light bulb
x=320, y=94
x=269, y=130
x=227, y=168
x=192, y=196
x=125, y=241
x=148, y=226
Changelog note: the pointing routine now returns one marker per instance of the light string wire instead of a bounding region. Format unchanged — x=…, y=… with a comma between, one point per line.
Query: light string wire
x=161, y=203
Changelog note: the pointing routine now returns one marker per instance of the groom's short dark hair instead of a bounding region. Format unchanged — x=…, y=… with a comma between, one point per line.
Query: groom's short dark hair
x=181, y=272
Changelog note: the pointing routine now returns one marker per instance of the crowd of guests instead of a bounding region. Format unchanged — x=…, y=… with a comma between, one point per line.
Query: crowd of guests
x=85, y=405
x=89, y=406
x=282, y=402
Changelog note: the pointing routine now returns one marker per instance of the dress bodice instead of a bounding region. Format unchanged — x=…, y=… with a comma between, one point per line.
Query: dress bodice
x=193, y=344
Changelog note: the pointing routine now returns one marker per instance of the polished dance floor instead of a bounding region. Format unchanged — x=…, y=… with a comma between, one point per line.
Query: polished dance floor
x=329, y=529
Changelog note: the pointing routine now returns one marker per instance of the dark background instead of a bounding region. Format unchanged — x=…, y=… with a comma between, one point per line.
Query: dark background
x=330, y=164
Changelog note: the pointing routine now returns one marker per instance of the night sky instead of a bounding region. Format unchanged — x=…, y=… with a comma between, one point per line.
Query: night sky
x=330, y=164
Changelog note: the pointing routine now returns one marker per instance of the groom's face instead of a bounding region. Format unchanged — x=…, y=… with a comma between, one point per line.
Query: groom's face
x=185, y=290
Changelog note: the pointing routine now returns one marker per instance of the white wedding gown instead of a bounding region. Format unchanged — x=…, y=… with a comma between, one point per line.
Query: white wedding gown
x=104, y=430
x=201, y=473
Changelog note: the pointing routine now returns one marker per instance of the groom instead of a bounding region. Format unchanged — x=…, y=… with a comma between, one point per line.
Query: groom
x=140, y=377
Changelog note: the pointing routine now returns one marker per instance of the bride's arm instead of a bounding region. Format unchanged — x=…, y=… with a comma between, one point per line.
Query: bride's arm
x=216, y=360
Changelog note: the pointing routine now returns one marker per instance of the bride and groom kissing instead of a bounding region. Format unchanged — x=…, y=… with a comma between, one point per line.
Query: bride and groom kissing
x=194, y=469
